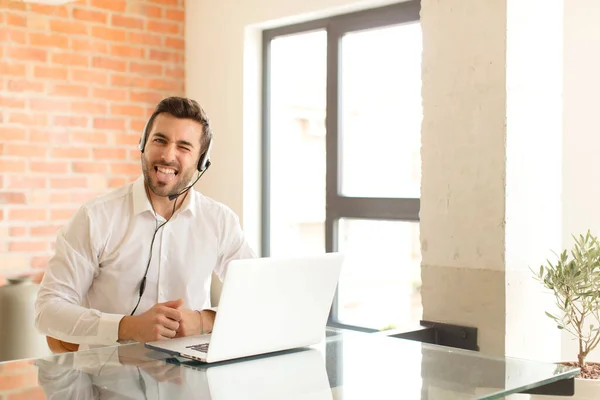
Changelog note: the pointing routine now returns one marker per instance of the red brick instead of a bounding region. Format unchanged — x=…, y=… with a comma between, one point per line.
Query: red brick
x=89, y=46
x=150, y=11
x=127, y=139
x=25, y=150
x=29, y=246
x=12, y=134
x=116, y=182
x=111, y=34
x=125, y=168
x=70, y=90
x=49, y=136
x=174, y=43
x=62, y=213
x=89, y=107
x=90, y=16
x=137, y=125
x=127, y=51
x=16, y=20
x=27, y=54
x=164, y=84
x=43, y=104
x=90, y=137
x=70, y=152
x=109, y=63
x=27, y=214
x=163, y=27
x=71, y=59
x=58, y=73
x=109, y=153
x=10, y=68
x=12, y=165
x=90, y=76
x=12, y=198
x=10, y=35
x=70, y=121
x=28, y=119
x=145, y=68
x=134, y=155
x=109, y=94
x=44, y=230
x=11, y=102
x=89, y=167
x=109, y=123
x=147, y=39
x=127, y=110
x=53, y=11
x=16, y=85
x=166, y=56
x=175, y=15
x=146, y=97
x=17, y=231
x=71, y=28
x=24, y=182
x=68, y=183
x=36, y=22
x=50, y=167
x=174, y=3
x=127, y=22
x=128, y=81
x=112, y=5
x=44, y=40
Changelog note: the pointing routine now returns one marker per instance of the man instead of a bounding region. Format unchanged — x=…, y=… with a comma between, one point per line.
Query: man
x=136, y=263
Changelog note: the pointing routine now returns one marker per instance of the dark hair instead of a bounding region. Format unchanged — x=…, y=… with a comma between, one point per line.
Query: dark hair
x=181, y=107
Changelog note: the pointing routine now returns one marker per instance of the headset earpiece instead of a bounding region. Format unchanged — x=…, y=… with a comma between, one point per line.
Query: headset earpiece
x=204, y=161
x=142, y=144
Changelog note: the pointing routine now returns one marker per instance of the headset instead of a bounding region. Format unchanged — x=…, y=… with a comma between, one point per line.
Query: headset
x=202, y=166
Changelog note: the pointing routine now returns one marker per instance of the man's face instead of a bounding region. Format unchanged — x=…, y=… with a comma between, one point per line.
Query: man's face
x=171, y=154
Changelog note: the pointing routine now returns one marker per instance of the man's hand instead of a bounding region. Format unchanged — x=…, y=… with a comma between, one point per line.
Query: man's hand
x=195, y=322
x=159, y=322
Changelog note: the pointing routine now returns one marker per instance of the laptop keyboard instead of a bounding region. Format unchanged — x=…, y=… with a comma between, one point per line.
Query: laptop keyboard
x=202, y=348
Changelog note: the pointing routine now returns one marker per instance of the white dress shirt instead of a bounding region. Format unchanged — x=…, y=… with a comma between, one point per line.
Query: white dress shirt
x=93, y=278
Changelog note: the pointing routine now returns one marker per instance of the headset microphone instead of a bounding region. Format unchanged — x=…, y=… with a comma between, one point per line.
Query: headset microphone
x=174, y=196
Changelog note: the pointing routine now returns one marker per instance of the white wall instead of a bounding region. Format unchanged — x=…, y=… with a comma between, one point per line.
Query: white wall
x=581, y=140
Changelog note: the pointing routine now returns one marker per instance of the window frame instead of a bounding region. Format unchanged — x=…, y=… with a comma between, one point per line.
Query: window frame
x=337, y=206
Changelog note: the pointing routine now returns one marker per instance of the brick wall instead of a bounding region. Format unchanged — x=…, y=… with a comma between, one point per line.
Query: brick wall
x=76, y=84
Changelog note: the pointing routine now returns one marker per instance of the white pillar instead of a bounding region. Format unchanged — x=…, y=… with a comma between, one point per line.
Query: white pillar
x=485, y=214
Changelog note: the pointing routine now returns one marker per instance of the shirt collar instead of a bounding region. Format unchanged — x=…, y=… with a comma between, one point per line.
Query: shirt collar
x=141, y=202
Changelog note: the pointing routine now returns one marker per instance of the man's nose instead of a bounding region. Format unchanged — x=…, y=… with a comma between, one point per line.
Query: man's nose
x=168, y=153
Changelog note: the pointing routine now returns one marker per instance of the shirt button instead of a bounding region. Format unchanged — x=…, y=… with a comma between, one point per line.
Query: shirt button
x=161, y=293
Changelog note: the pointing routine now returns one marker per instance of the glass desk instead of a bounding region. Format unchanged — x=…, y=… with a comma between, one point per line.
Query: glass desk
x=345, y=365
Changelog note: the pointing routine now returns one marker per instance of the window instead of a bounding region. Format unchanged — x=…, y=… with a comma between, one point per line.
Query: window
x=341, y=156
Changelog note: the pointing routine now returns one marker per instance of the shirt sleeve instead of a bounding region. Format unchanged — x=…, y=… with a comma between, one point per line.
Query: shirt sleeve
x=70, y=272
x=233, y=243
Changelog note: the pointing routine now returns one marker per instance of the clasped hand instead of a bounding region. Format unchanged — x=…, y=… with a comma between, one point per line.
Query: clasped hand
x=164, y=321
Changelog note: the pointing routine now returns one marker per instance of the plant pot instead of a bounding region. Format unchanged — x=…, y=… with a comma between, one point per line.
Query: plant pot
x=585, y=389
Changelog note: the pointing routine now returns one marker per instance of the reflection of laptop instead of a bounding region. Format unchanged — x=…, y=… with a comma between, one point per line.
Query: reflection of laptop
x=266, y=305
x=296, y=375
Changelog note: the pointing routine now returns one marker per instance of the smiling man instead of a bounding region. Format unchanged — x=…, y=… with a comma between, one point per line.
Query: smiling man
x=136, y=263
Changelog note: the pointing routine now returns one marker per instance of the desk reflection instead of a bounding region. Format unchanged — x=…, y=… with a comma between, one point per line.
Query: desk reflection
x=133, y=372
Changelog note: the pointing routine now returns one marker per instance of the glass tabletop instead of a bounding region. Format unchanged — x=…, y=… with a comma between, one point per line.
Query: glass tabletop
x=345, y=365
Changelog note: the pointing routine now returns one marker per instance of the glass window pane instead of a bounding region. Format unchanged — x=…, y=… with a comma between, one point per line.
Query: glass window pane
x=297, y=151
x=381, y=112
x=380, y=283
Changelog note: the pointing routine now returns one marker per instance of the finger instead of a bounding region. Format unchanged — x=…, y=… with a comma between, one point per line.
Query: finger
x=169, y=323
x=168, y=333
x=173, y=303
x=172, y=313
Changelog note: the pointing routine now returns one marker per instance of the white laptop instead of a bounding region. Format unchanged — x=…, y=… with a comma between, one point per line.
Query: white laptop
x=266, y=305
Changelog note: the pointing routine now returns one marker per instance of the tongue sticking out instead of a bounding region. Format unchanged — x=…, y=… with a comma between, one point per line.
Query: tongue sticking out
x=165, y=175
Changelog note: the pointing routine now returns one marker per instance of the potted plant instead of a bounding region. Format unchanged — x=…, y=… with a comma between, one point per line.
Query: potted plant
x=574, y=279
